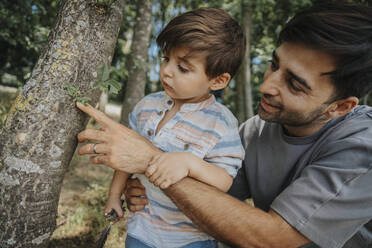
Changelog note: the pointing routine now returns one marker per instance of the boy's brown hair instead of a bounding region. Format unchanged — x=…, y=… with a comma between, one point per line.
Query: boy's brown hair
x=210, y=31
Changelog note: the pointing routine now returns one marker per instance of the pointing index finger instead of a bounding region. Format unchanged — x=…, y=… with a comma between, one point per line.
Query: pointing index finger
x=97, y=115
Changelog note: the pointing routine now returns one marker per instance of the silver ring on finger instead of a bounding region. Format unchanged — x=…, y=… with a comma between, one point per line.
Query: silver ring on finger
x=94, y=149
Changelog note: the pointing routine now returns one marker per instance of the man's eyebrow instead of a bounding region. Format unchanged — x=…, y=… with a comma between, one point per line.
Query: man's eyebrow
x=275, y=56
x=299, y=79
x=185, y=60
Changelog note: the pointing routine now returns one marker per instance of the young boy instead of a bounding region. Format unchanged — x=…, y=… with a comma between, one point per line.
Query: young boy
x=202, y=51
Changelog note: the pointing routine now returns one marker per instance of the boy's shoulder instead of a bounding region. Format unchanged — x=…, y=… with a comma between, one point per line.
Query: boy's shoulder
x=219, y=113
x=151, y=100
x=157, y=96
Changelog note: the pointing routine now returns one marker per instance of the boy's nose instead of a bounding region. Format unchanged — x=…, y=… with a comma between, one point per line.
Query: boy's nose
x=167, y=70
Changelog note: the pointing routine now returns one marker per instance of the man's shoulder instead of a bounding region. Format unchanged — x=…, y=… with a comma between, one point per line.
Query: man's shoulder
x=360, y=112
x=253, y=124
x=357, y=120
x=356, y=125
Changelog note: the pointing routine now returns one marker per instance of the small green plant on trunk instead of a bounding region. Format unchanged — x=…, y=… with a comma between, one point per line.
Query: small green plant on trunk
x=104, y=83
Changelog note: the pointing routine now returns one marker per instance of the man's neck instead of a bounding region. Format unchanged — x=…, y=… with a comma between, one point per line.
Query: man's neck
x=302, y=131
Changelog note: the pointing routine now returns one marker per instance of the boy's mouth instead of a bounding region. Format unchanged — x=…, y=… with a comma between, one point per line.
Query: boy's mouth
x=167, y=86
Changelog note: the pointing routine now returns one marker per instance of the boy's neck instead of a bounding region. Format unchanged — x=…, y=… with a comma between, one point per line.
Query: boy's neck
x=179, y=102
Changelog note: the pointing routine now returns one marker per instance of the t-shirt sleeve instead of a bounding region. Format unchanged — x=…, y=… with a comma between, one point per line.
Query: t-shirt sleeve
x=228, y=153
x=332, y=199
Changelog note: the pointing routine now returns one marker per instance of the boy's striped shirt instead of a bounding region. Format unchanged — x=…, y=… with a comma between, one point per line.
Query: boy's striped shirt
x=206, y=129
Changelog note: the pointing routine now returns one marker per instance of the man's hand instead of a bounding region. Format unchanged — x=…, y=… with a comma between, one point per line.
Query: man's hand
x=167, y=168
x=119, y=147
x=135, y=195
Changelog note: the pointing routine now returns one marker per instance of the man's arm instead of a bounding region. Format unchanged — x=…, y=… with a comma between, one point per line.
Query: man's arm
x=230, y=220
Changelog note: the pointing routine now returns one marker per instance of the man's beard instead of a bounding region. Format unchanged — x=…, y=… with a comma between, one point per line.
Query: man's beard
x=294, y=118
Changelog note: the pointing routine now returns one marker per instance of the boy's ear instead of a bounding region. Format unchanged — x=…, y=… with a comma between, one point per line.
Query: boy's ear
x=221, y=81
x=342, y=107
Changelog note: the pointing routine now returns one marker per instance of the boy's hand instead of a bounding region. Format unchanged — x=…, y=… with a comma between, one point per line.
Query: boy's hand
x=167, y=168
x=114, y=202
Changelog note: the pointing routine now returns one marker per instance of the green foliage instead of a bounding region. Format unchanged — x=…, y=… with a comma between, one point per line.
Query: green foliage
x=25, y=26
x=6, y=101
x=104, y=83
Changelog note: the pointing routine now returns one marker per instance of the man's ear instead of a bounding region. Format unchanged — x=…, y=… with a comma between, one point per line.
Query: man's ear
x=342, y=107
x=221, y=81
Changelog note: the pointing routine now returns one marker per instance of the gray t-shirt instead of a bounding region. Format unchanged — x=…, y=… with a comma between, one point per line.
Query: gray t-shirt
x=320, y=184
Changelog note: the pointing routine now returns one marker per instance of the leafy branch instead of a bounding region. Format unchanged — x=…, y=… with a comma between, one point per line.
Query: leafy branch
x=104, y=83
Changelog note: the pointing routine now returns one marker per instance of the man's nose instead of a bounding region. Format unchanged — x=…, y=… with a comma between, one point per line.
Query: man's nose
x=271, y=84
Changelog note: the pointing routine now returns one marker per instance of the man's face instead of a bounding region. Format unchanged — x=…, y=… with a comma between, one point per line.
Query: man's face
x=294, y=91
x=183, y=77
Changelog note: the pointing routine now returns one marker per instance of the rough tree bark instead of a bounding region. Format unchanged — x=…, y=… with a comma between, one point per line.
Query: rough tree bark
x=244, y=87
x=39, y=137
x=137, y=64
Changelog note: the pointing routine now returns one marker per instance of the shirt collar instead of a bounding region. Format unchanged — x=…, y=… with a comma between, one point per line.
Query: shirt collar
x=188, y=107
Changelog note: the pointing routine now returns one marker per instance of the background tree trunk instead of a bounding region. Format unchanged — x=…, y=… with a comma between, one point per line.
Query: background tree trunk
x=244, y=87
x=137, y=65
x=39, y=137
x=247, y=26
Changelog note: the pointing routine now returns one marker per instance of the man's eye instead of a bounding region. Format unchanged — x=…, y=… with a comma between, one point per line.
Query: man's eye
x=274, y=66
x=165, y=58
x=182, y=69
x=293, y=86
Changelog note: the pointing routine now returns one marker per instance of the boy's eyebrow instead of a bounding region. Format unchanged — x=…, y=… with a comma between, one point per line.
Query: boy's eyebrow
x=184, y=60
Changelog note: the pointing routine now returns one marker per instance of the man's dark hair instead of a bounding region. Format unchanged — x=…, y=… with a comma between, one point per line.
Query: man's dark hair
x=210, y=31
x=344, y=31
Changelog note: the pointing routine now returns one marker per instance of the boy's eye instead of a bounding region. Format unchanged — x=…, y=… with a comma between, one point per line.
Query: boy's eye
x=165, y=58
x=182, y=69
x=273, y=65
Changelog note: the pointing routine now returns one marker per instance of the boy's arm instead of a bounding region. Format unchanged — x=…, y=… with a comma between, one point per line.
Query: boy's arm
x=170, y=167
x=118, y=183
x=209, y=173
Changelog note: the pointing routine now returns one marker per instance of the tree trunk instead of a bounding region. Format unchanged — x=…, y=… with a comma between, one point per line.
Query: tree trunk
x=240, y=95
x=243, y=79
x=365, y=99
x=137, y=64
x=39, y=137
x=247, y=25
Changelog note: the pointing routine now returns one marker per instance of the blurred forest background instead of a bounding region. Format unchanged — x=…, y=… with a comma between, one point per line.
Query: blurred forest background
x=25, y=26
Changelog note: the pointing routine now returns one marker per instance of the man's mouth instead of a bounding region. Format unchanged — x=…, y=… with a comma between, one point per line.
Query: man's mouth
x=269, y=107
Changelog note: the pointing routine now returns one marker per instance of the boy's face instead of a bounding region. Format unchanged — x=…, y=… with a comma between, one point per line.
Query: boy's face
x=183, y=77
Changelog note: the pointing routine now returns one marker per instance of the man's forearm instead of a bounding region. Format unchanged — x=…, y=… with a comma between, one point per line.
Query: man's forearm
x=230, y=220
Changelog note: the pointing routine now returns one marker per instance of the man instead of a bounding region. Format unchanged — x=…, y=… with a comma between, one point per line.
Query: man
x=308, y=164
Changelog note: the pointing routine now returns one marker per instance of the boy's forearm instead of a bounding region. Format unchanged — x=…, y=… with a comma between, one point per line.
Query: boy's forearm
x=210, y=174
x=119, y=180
x=230, y=220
